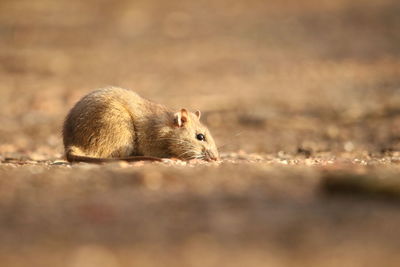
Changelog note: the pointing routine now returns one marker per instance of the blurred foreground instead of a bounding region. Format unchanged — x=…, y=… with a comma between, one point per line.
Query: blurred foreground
x=243, y=212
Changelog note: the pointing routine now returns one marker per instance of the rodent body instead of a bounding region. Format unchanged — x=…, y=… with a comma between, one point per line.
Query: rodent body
x=116, y=123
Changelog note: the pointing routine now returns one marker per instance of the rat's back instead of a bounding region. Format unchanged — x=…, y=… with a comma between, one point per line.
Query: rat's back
x=101, y=124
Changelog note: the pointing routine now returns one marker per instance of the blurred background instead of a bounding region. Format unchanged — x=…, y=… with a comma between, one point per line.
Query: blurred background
x=269, y=76
x=283, y=83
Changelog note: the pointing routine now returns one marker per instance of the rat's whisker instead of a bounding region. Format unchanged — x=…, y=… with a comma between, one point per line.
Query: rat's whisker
x=223, y=145
x=228, y=144
x=196, y=157
x=187, y=152
x=184, y=153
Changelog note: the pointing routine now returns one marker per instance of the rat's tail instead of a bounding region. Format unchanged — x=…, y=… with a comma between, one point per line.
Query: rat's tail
x=74, y=156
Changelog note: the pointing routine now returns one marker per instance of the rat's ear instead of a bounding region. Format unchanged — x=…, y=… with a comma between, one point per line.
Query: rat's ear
x=198, y=114
x=181, y=117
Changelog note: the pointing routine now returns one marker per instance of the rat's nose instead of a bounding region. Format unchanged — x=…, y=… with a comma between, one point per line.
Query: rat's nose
x=211, y=155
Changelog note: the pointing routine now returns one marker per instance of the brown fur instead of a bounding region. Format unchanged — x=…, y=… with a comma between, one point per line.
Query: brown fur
x=116, y=123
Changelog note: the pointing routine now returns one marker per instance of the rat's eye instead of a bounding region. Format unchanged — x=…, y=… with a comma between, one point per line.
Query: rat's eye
x=200, y=137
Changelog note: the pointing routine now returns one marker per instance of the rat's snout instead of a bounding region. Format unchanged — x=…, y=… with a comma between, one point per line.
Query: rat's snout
x=210, y=155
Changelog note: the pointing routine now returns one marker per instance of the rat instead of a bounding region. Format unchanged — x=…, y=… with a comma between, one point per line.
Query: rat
x=114, y=123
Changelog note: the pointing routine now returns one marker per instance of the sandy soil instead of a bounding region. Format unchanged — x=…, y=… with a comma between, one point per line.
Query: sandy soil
x=303, y=97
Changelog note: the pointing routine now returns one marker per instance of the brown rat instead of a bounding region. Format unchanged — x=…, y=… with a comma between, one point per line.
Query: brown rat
x=117, y=124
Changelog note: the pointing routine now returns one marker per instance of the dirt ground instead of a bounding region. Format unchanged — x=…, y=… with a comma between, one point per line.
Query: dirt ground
x=303, y=97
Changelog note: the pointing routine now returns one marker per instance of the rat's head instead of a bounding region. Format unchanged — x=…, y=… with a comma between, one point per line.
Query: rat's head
x=190, y=139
